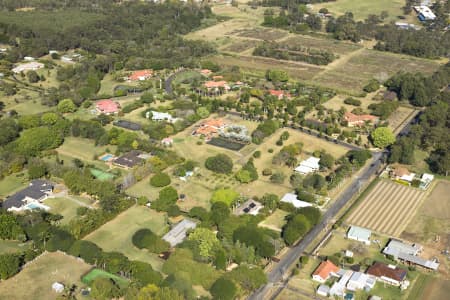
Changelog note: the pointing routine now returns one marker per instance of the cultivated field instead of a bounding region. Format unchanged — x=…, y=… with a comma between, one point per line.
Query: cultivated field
x=334, y=46
x=387, y=208
x=36, y=279
x=239, y=46
x=352, y=73
x=116, y=235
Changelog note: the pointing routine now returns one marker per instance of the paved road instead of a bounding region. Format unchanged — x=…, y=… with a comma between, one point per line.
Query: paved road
x=295, y=252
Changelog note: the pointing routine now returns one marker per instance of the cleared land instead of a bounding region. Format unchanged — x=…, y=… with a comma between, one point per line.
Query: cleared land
x=36, y=279
x=12, y=246
x=331, y=45
x=63, y=206
x=12, y=183
x=116, y=235
x=397, y=119
x=83, y=149
x=364, y=65
x=275, y=221
x=352, y=74
x=387, y=208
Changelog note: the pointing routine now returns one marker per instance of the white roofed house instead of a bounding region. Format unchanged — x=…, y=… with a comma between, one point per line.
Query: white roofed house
x=31, y=66
x=179, y=232
x=360, y=281
x=160, y=116
x=309, y=165
x=409, y=253
x=359, y=234
x=292, y=199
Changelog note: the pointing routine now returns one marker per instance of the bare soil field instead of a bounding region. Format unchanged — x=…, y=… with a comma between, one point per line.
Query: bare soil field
x=367, y=64
x=435, y=289
x=260, y=33
x=36, y=279
x=337, y=47
x=240, y=46
x=387, y=208
x=258, y=66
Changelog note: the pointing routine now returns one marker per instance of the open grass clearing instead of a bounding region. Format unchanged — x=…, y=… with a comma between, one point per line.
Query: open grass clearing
x=96, y=273
x=7, y=246
x=64, y=207
x=12, y=183
x=257, y=66
x=36, y=279
x=324, y=44
x=354, y=74
x=399, y=117
x=337, y=102
x=143, y=188
x=107, y=85
x=275, y=221
x=116, y=235
x=83, y=149
x=239, y=46
x=261, y=33
x=387, y=208
x=361, y=9
x=429, y=287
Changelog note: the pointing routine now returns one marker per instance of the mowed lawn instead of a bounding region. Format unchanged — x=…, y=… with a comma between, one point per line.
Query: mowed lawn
x=36, y=279
x=362, y=8
x=275, y=221
x=7, y=246
x=116, y=235
x=64, y=207
x=83, y=149
x=12, y=183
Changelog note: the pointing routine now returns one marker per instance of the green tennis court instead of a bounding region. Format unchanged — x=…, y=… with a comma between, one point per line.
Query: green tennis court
x=101, y=175
x=96, y=273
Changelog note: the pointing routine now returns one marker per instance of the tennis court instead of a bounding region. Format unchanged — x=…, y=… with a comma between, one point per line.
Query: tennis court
x=101, y=175
x=96, y=273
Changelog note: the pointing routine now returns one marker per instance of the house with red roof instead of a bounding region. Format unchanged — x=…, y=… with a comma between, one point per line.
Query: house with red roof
x=140, y=75
x=206, y=72
x=280, y=94
x=324, y=271
x=107, y=107
x=210, y=128
x=387, y=273
x=215, y=85
x=359, y=120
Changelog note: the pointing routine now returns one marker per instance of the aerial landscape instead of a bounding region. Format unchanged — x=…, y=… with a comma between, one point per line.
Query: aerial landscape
x=225, y=149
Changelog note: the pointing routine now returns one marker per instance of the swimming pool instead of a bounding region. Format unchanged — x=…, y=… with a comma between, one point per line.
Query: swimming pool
x=106, y=157
x=34, y=205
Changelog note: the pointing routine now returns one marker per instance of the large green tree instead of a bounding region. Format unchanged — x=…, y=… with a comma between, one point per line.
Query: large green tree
x=382, y=137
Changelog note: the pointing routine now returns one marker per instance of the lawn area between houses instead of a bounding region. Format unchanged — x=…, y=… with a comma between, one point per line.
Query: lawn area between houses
x=275, y=221
x=63, y=206
x=83, y=149
x=36, y=279
x=116, y=235
x=12, y=183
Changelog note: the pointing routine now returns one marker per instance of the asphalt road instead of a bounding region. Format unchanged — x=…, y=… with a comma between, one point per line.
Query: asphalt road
x=295, y=252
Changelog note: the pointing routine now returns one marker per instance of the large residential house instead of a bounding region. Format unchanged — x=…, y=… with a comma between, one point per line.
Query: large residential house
x=209, y=128
x=30, y=197
x=324, y=271
x=31, y=66
x=131, y=159
x=280, y=94
x=216, y=85
x=140, y=75
x=160, y=116
x=359, y=120
x=309, y=165
x=409, y=254
x=107, y=107
x=387, y=273
x=179, y=232
x=424, y=13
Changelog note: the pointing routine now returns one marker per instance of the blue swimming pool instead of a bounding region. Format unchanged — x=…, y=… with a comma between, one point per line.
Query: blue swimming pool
x=106, y=157
x=33, y=205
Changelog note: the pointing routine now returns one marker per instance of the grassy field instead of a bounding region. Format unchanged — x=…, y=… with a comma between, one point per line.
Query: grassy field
x=64, y=207
x=83, y=149
x=96, y=273
x=331, y=45
x=116, y=234
x=428, y=287
x=362, y=8
x=36, y=279
x=337, y=102
x=12, y=246
x=12, y=183
x=275, y=221
x=387, y=208
x=352, y=73
x=397, y=119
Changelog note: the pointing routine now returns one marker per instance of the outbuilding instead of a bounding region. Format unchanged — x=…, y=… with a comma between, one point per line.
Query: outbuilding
x=359, y=234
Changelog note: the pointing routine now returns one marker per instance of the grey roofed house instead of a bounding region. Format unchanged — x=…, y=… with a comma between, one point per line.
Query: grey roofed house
x=359, y=234
x=178, y=233
x=408, y=253
x=130, y=159
x=36, y=191
x=128, y=125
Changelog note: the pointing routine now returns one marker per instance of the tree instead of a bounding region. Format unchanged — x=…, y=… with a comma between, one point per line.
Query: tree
x=10, y=228
x=37, y=169
x=248, y=278
x=296, y=227
x=60, y=240
x=152, y=292
x=66, y=106
x=220, y=211
x=278, y=177
x=223, y=289
x=227, y=196
x=202, y=112
x=9, y=265
x=168, y=196
x=220, y=260
x=206, y=239
x=160, y=180
x=270, y=201
x=144, y=274
x=103, y=288
x=221, y=163
x=86, y=250
x=326, y=160
x=372, y=86
x=277, y=75
x=243, y=176
x=32, y=76
x=49, y=118
x=146, y=239
x=382, y=137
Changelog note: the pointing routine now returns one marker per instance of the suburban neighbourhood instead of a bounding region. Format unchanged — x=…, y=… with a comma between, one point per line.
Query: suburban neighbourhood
x=169, y=150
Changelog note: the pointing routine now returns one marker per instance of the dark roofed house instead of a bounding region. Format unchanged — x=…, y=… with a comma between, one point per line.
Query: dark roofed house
x=36, y=192
x=128, y=125
x=131, y=159
x=387, y=273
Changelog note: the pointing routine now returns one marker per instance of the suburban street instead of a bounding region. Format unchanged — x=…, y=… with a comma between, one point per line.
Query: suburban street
x=276, y=274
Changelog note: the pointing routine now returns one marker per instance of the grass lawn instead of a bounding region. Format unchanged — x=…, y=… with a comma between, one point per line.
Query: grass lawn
x=116, y=235
x=7, y=246
x=362, y=8
x=35, y=280
x=64, y=207
x=12, y=183
x=303, y=280
x=107, y=85
x=83, y=149
x=275, y=221
x=143, y=188
x=96, y=273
